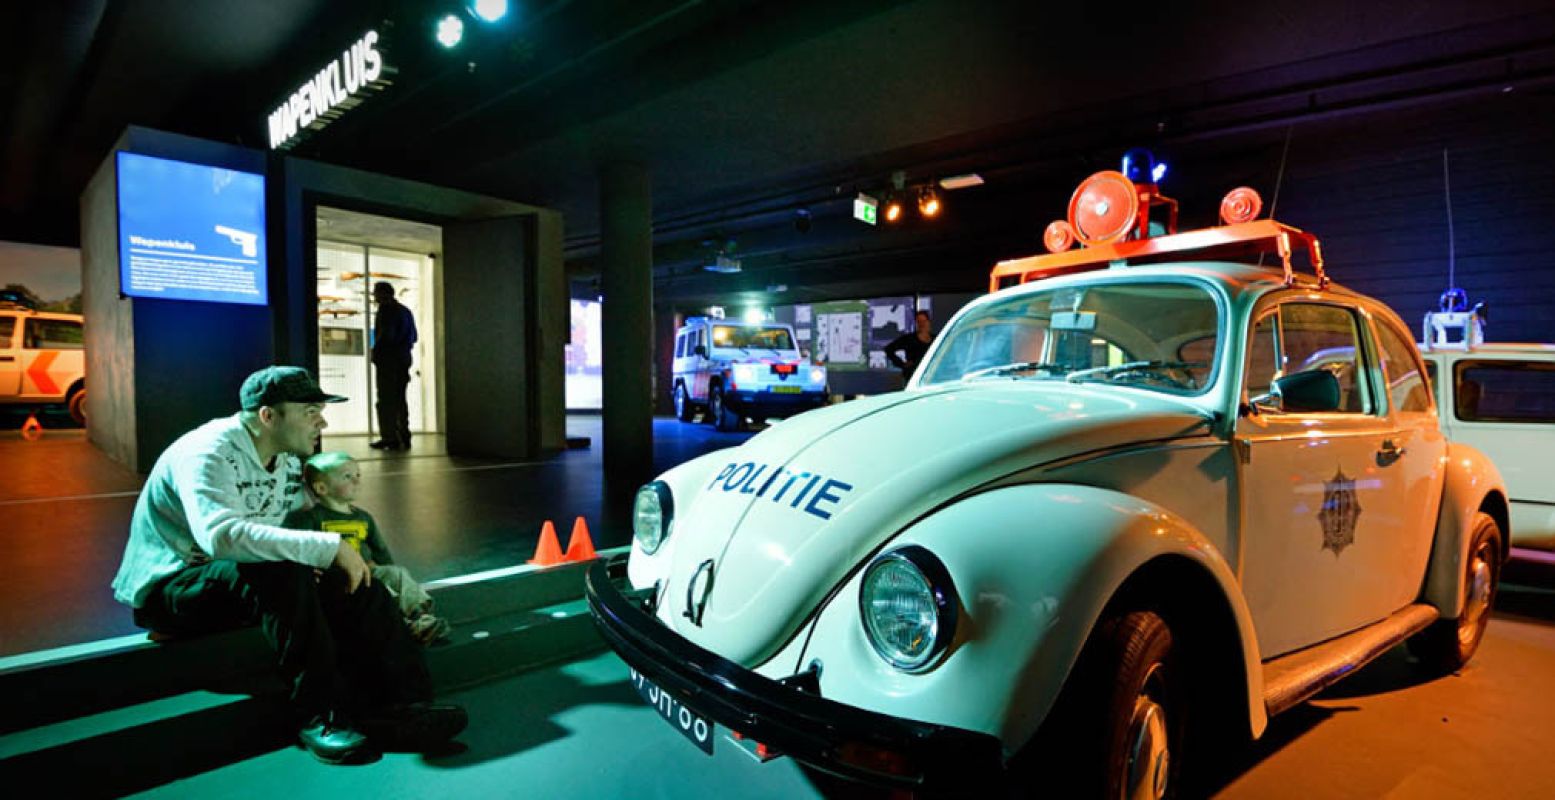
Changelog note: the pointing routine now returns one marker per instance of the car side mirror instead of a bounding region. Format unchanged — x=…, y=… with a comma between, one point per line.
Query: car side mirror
x=1312, y=390
x=700, y=350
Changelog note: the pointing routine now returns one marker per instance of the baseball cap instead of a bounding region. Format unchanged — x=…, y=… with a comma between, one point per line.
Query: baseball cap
x=272, y=386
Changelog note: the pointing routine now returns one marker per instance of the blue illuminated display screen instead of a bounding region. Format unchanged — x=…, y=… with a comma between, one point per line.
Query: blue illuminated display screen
x=190, y=231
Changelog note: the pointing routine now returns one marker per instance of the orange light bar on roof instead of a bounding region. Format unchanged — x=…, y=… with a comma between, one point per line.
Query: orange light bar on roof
x=1241, y=242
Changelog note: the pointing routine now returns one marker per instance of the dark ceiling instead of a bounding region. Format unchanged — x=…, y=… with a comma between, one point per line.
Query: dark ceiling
x=743, y=111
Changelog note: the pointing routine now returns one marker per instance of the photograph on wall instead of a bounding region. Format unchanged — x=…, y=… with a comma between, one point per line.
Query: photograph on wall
x=840, y=336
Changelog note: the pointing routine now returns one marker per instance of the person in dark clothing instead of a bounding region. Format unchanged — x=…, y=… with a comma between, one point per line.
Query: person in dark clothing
x=394, y=333
x=911, y=345
x=207, y=551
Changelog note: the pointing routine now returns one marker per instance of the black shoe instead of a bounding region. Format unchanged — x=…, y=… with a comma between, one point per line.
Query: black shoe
x=383, y=444
x=414, y=727
x=332, y=741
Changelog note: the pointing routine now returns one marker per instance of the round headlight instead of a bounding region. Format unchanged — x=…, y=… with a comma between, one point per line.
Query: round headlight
x=746, y=373
x=909, y=608
x=652, y=512
x=818, y=375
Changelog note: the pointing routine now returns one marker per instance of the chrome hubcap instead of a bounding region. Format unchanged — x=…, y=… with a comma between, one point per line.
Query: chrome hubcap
x=1477, y=602
x=1149, y=758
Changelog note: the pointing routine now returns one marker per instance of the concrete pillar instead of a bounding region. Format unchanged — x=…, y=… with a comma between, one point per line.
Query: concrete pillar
x=626, y=258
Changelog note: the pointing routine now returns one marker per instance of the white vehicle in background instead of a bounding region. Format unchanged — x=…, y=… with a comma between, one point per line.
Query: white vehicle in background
x=1110, y=518
x=736, y=370
x=1499, y=398
x=41, y=359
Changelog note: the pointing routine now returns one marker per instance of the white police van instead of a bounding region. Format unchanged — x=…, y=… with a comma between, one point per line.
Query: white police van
x=42, y=361
x=1500, y=398
x=737, y=370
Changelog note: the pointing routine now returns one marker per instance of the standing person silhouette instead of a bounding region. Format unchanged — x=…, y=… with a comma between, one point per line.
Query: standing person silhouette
x=394, y=333
x=911, y=345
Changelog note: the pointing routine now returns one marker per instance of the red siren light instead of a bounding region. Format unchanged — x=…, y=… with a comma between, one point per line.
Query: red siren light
x=1104, y=209
x=1241, y=204
x=1058, y=237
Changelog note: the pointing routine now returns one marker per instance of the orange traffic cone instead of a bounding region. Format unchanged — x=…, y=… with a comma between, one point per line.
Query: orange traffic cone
x=549, y=551
x=579, y=546
x=31, y=430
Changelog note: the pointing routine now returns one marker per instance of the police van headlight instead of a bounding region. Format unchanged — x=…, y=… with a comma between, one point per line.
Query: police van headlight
x=909, y=608
x=746, y=373
x=817, y=374
x=652, y=513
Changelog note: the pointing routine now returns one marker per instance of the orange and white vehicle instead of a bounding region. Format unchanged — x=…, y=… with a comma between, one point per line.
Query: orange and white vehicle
x=1114, y=514
x=42, y=361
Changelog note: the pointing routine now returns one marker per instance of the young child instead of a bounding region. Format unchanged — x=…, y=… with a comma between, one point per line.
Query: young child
x=334, y=478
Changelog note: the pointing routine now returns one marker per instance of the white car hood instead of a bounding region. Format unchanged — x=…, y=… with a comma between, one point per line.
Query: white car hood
x=794, y=509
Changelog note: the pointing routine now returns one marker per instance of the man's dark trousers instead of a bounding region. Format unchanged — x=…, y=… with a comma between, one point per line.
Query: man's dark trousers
x=393, y=411
x=337, y=651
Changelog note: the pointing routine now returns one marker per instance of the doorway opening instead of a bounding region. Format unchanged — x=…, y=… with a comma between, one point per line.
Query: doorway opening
x=354, y=252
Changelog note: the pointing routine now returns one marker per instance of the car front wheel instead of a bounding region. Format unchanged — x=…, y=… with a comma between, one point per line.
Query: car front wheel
x=684, y=411
x=723, y=418
x=1118, y=726
x=77, y=406
x=1448, y=644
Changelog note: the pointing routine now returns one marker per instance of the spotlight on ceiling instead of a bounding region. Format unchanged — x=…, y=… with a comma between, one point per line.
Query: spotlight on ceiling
x=802, y=220
x=490, y=10
x=755, y=316
x=450, y=31
x=928, y=203
x=893, y=208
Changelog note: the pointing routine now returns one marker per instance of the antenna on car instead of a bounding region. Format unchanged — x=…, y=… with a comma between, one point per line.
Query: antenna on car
x=1453, y=325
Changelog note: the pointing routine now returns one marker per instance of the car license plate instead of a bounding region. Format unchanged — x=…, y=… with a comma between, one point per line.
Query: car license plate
x=691, y=725
x=788, y=389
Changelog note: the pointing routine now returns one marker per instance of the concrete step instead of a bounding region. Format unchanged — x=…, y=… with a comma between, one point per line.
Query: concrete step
x=143, y=713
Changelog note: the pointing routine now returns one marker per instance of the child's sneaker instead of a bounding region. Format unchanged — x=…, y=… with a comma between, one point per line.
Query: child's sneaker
x=427, y=628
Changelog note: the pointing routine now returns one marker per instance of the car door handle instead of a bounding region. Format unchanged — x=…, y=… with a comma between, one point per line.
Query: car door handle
x=7, y=358
x=1389, y=453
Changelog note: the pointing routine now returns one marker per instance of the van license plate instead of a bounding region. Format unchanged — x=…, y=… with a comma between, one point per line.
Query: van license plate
x=691, y=725
x=787, y=389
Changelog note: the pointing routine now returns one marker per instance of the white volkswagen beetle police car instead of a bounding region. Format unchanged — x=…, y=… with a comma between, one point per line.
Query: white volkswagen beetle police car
x=1108, y=517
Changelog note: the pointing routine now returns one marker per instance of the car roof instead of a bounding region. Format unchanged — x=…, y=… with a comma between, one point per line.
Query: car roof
x=28, y=312
x=1236, y=278
x=1494, y=348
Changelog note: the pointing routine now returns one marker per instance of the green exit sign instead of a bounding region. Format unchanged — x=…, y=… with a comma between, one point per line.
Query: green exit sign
x=865, y=208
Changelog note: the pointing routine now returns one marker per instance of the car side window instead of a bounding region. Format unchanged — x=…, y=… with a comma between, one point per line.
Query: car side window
x=52, y=334
x=1319, y=336
x=1504, y=391
x=1407, y=388
x=1263, y=364
x=680, y=345
x=7, y=330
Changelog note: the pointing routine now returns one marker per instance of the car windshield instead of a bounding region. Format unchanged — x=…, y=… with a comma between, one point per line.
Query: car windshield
x=748, y=336
x=1160, y=335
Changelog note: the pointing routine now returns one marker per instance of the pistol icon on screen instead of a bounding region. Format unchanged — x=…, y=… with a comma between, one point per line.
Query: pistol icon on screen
x=244, y=239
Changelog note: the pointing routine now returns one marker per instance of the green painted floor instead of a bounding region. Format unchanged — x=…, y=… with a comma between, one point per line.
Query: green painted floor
x=574, y=731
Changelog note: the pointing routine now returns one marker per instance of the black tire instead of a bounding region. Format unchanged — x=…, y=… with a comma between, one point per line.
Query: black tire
x=1126, y=694
x=1448, y=644
x=76, y=404
x=684, y=410
x=724, y=419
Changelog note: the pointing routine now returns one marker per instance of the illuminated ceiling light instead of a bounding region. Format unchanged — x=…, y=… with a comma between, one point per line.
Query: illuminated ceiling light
x=755, y=315
x=490, y=10
x=955, y=182
x=928, y=203
x=450, y=31
x=893, y=209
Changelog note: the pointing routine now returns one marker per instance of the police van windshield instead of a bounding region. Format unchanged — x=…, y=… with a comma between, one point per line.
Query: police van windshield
x=1153, y=335
x=748, y=336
